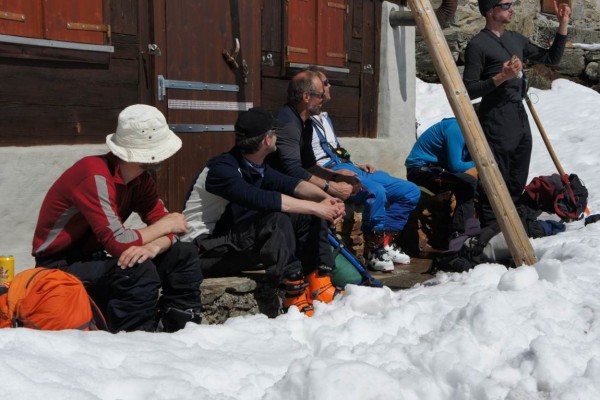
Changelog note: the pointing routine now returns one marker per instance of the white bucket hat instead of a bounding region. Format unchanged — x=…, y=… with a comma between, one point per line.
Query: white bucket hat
x=143, y=136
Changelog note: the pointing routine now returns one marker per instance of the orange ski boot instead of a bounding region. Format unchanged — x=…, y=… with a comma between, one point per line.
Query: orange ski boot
x=295, y=295
x=321, y=288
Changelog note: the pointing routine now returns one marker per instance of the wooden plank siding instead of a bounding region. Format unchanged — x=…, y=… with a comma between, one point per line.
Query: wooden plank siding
x=353, y=108
x=194, y=36
x=64, y=96
x=25, y=18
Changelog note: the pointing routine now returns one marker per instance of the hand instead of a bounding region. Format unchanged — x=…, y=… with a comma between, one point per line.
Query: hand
x=562, y=11
x=174, y=223
x=344, y=173
x=341, y=190
x=350, y=178
x=137, y=255
x=367, y=168
x=330, y=209
x=512, y=67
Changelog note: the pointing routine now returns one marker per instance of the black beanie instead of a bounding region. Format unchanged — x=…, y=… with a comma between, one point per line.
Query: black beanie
x=486, y=5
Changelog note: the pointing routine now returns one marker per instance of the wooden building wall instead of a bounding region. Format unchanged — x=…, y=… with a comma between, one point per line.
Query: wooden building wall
x=64, y=96
x=193, y=36
x=354, y=104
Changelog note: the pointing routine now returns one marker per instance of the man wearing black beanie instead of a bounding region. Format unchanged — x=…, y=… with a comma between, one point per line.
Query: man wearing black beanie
x=494, y=72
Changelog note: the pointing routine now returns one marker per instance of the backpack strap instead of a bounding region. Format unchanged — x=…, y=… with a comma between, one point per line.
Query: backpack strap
x=325, y=145
x=98, y=321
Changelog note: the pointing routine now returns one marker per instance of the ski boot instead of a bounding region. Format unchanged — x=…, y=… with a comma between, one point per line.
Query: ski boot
x=320, y=287
x=295, y=294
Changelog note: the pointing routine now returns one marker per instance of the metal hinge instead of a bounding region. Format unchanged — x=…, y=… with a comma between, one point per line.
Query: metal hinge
x=194, y=128
x=164, y=84
x=12, y=16
x=79, y=26
x=340, y=6
x=300, y=50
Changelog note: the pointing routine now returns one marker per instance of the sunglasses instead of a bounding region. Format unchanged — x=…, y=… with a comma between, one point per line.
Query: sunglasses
x=317, y=94
x=504, y=6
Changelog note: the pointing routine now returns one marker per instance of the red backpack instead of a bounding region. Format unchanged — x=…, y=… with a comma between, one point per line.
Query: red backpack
x=48, y=299
x=565, y=196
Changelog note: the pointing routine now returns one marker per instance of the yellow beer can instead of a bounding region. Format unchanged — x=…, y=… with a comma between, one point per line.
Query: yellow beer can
x=7, y=269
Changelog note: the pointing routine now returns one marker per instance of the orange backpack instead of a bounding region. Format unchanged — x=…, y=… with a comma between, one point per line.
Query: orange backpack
x=49, y=299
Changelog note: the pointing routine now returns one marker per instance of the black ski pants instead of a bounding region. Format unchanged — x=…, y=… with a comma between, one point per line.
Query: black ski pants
x=438, y=180
x=129, y=297
x=506, y=128
x=285, y=244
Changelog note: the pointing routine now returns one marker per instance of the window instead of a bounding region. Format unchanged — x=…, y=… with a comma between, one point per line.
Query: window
x=63, y=20
x=312, y=21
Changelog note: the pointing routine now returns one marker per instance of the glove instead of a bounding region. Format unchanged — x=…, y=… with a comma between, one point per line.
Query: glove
x=591, y=219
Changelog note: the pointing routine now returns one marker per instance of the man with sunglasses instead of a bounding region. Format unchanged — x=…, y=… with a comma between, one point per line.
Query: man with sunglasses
x=387, y=200
x=294, y=155
x=494, y=72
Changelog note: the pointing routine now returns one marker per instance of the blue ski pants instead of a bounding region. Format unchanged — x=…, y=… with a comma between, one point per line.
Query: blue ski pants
x=387, y=200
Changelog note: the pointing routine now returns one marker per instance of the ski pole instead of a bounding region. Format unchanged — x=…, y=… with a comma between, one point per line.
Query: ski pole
x=559, y=167
x=350, y=257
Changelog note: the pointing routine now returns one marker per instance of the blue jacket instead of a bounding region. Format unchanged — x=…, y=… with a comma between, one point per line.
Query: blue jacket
x=442, y=145
x=229, y=190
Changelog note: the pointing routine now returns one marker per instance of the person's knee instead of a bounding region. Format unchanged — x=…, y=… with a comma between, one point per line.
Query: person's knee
x=184, y=251
x=142, y=279
x=278, y=220
x=375, y=191
x=413, y=194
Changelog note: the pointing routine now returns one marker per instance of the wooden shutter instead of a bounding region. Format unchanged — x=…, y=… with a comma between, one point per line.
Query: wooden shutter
x=301, y=31
x=330, y=31
x=74, y=21
x=548, y=5
x=21, y=18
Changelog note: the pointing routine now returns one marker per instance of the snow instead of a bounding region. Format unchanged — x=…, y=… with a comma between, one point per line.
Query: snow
x=491, y=333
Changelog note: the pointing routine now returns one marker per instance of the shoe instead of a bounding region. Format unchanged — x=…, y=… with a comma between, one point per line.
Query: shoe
x=174, y=319
x=396, y=254
x=320, y=287
x=296, y=295
x=379, y=260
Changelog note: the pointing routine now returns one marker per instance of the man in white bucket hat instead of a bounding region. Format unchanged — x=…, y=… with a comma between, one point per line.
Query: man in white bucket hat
x=80, y=230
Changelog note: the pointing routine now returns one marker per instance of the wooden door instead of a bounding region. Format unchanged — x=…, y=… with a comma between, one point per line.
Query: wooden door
x=192, y=37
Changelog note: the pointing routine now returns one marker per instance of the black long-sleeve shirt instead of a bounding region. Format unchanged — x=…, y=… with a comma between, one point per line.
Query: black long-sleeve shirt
x=294, y=144
x=486, y=53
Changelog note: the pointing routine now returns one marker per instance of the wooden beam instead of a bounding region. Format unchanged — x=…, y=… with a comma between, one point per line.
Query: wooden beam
x=493, y=183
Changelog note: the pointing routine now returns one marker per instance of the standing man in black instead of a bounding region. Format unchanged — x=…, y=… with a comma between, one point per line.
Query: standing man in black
x=494, y=72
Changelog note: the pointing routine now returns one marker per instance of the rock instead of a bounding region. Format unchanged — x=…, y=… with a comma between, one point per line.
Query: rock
x=529, y=21
x=572, y=63
x=223, y=298
x=591, y=71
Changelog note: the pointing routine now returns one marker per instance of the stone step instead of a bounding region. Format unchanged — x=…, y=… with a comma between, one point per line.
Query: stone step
x=250, y=294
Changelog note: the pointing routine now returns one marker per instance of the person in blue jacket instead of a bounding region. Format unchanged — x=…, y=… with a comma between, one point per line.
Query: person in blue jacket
x=440, y=161
x=242, y=213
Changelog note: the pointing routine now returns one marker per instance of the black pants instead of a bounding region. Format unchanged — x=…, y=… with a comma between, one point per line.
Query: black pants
x=283, y=243
x=129, y=297
x=438, y=180
x=507, y=131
